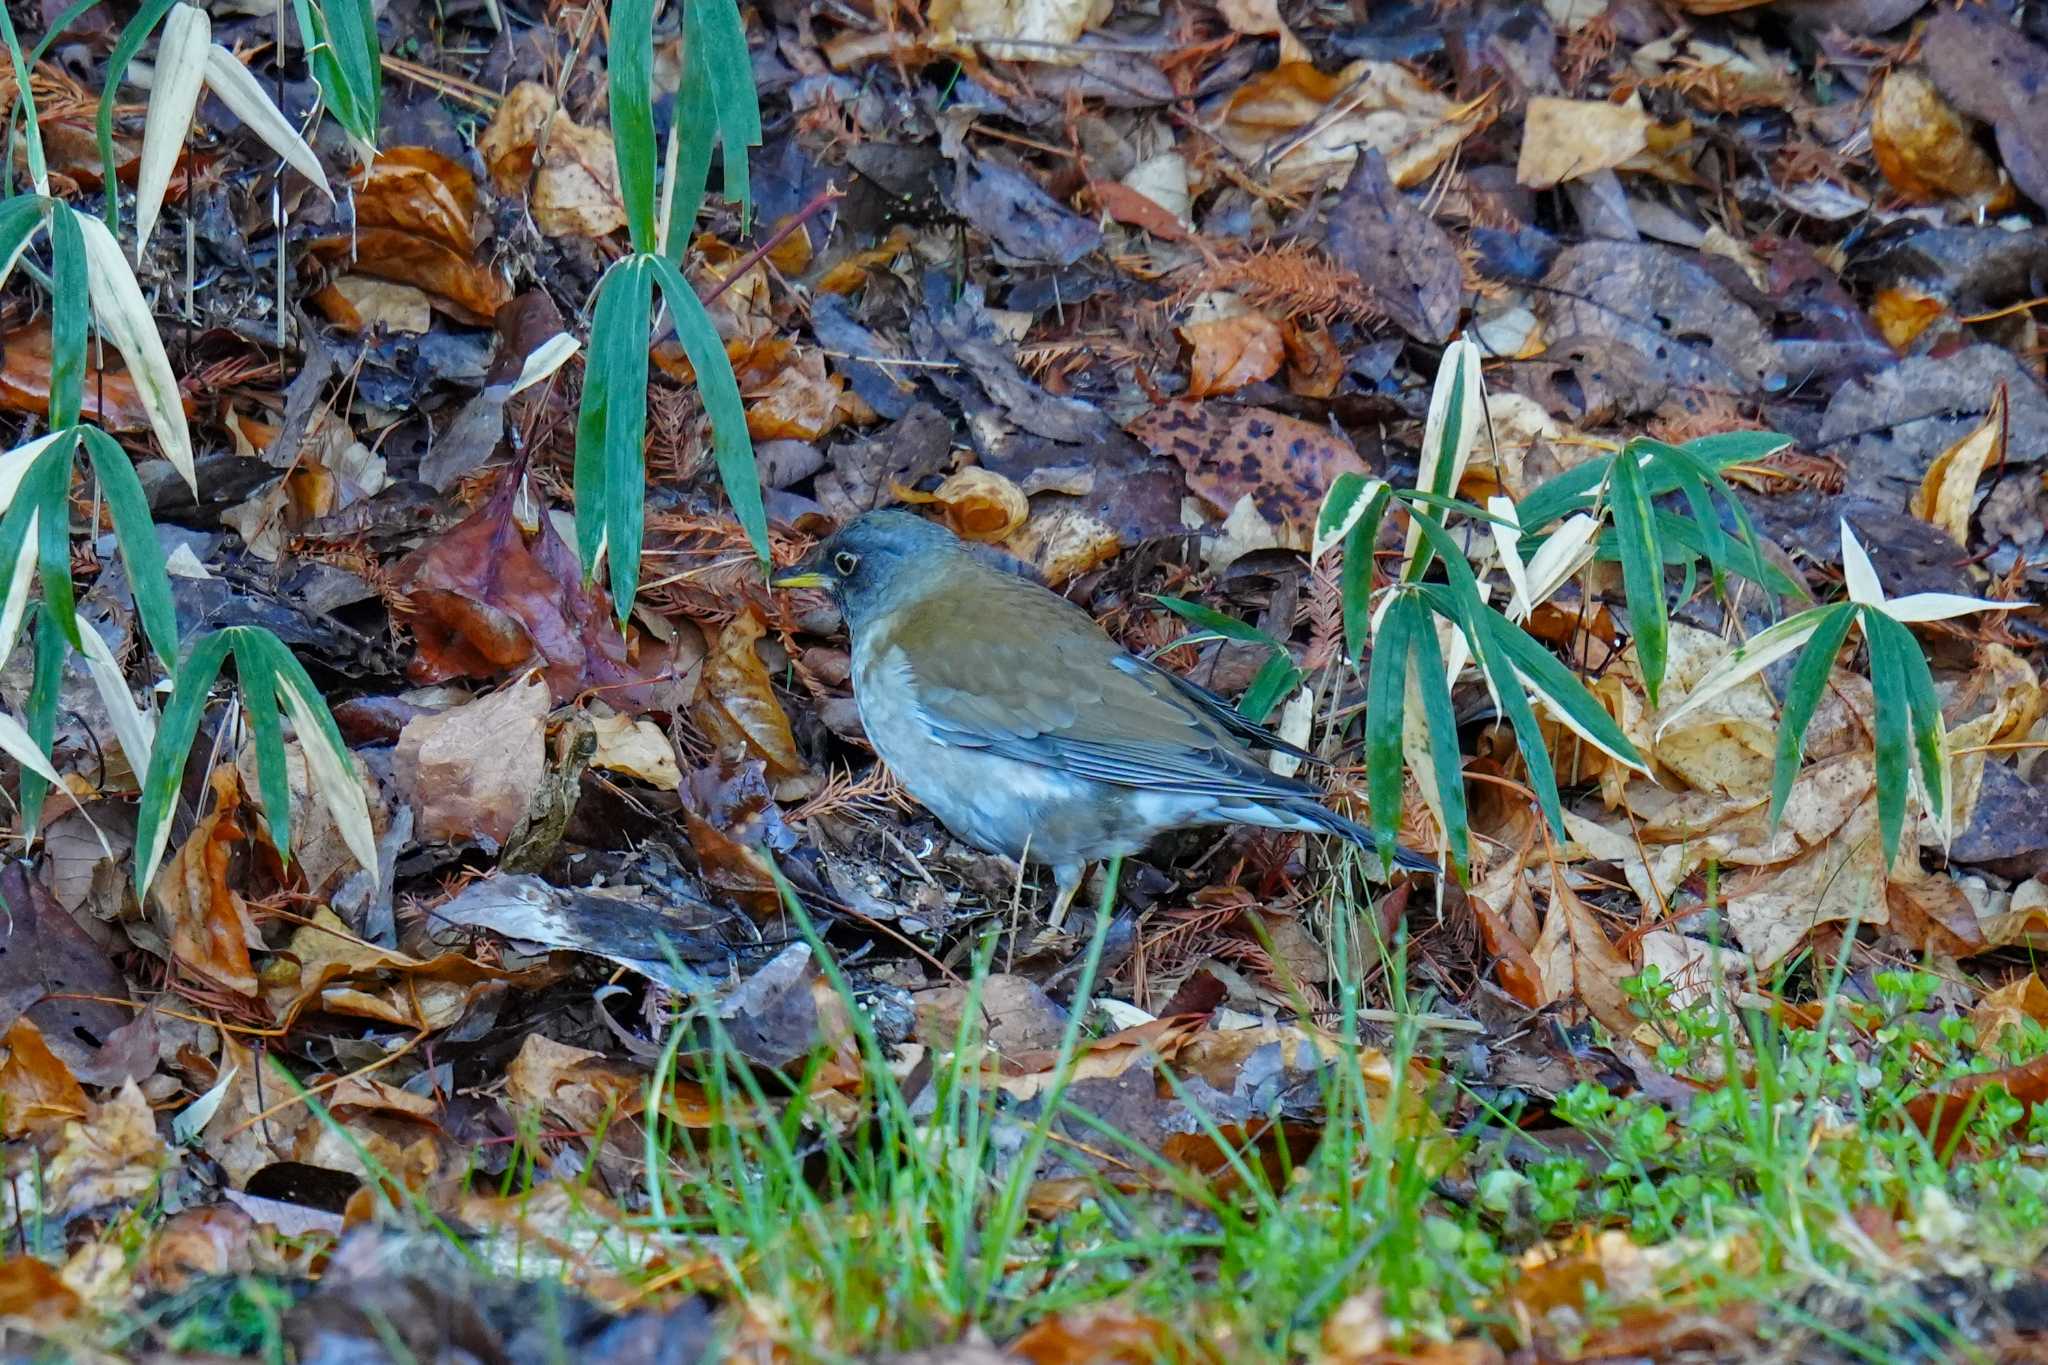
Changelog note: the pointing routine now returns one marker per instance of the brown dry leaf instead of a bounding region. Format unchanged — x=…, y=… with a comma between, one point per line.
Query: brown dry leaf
x=320, y=852
x=1258, y=18
x=37, y=1090
x=342, y=975
x=1064, y=542
x=416, y=224
x=1577, y=961
x=1106, y=1334
x=487, y=597
x=108, y=1157
x=1027, y=1074
x=1948, y=492
x=110, y=399
x=569, y=1231
x=197, y=1243
x=362, y=304
x=636, y=748
x=1284, y=465
x=2020, y=1001
x=738, y=710
x=1634, y=1286
x=206, y=924
x=580, y=1088
x=977, y=503
x=1940, y=1113
x=1315, y=367
x=32, y=1293
x=1565, y=139
x=1042, y=30
x=472, y=771
x=801, y=403
x=1299, y=127
x=1903, y=313
x=576, y=191
x=1926, y=150
x=420, y=191
x=1231, y=352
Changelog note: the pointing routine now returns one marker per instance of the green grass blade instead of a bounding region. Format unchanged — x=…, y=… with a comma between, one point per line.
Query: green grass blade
x=720, y=391
x=174, y=733
x=1354, y=585
x=630, y=82
x=1809, y=681
x=1725, y=448
x=1221, y=623
x=1642, y=569
x=1276, y=678
x=329, y=766
x=259, y=703
x=130, y=43
x=135, y=533
x=1432, y=681
x=1386, y=701
x=70, y=310
x=1894, y=722
x=352, y=36
x=51, y=649
x=592, y=417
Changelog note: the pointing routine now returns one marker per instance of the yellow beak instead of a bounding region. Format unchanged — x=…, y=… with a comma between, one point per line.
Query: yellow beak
x=799, y=579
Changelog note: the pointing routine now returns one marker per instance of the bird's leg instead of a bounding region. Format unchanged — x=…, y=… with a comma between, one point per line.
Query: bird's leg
x=1068, y=878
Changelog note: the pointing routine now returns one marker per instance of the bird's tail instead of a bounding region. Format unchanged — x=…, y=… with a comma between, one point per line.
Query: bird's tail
x=1324, y=818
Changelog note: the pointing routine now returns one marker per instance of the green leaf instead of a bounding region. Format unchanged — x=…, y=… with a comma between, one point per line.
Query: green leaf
x=721, y=394
x=1276, y=678
x=696, y=137
x=715, y=26
x=20, y=216
x=1432, y=680
x=1485, y=631
x=1894, y=721
x=1725, y=448
x=1354, y=585
x=51, y=649
x=350, y=66
x=611, y=433
x=1642, y=569
x=135, y=533
x=180, y=723
x=630, y=83
x=1560, y=687
x=1222, y=623
x=259, y=703
x=38, y=169
x=1386, y=699
x=1802, y=695
x=1930, y=733
x=50, y=488
x=70, y=309
x=132, y=38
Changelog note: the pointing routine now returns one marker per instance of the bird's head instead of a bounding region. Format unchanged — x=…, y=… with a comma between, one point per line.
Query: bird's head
x=875, y=562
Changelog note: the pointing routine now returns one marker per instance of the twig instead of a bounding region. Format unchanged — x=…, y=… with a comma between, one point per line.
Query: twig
x=817, y=204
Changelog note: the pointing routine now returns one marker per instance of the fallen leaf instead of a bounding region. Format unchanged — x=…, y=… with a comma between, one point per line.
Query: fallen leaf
x=472, y=770
x=1230, y=352
x=362, y=304
x=37, y=1091
x=977, y=503
x=1010, y=31
x=1381, y=235
x=206, y=923
x=636, y=748
x=109, y=398
x=1299, y=127
x=1923, y=146
x=416, y=225
x=109, y=1157
x=1903, y=313
x=571, y=1085
x=1283, y=464
x=1566, y=139
x=576, y=187
x=1948, y=493
x=738, y=709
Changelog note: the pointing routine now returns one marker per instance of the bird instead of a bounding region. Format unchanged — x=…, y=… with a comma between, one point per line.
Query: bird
x=1007, y=712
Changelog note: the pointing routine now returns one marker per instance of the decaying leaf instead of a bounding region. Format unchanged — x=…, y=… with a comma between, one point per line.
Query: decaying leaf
x=1231, y=351
x=1303, y=127
x=1283, y=464
x=473, y=770
x=574, y=175
x=739, y=712
x=1948, y=494
x=206, y=922
x=1924, y=147
x=416, y=225
x=1566, y=139
x=977, y=503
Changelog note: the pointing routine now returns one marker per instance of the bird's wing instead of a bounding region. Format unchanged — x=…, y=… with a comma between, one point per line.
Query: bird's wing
x=1220, y=711
x=1049, y=688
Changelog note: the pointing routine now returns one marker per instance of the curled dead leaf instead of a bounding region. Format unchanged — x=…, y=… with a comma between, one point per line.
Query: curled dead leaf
x=977, y=503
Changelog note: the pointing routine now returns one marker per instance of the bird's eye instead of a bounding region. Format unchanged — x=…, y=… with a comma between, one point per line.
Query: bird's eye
x=846, y=562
